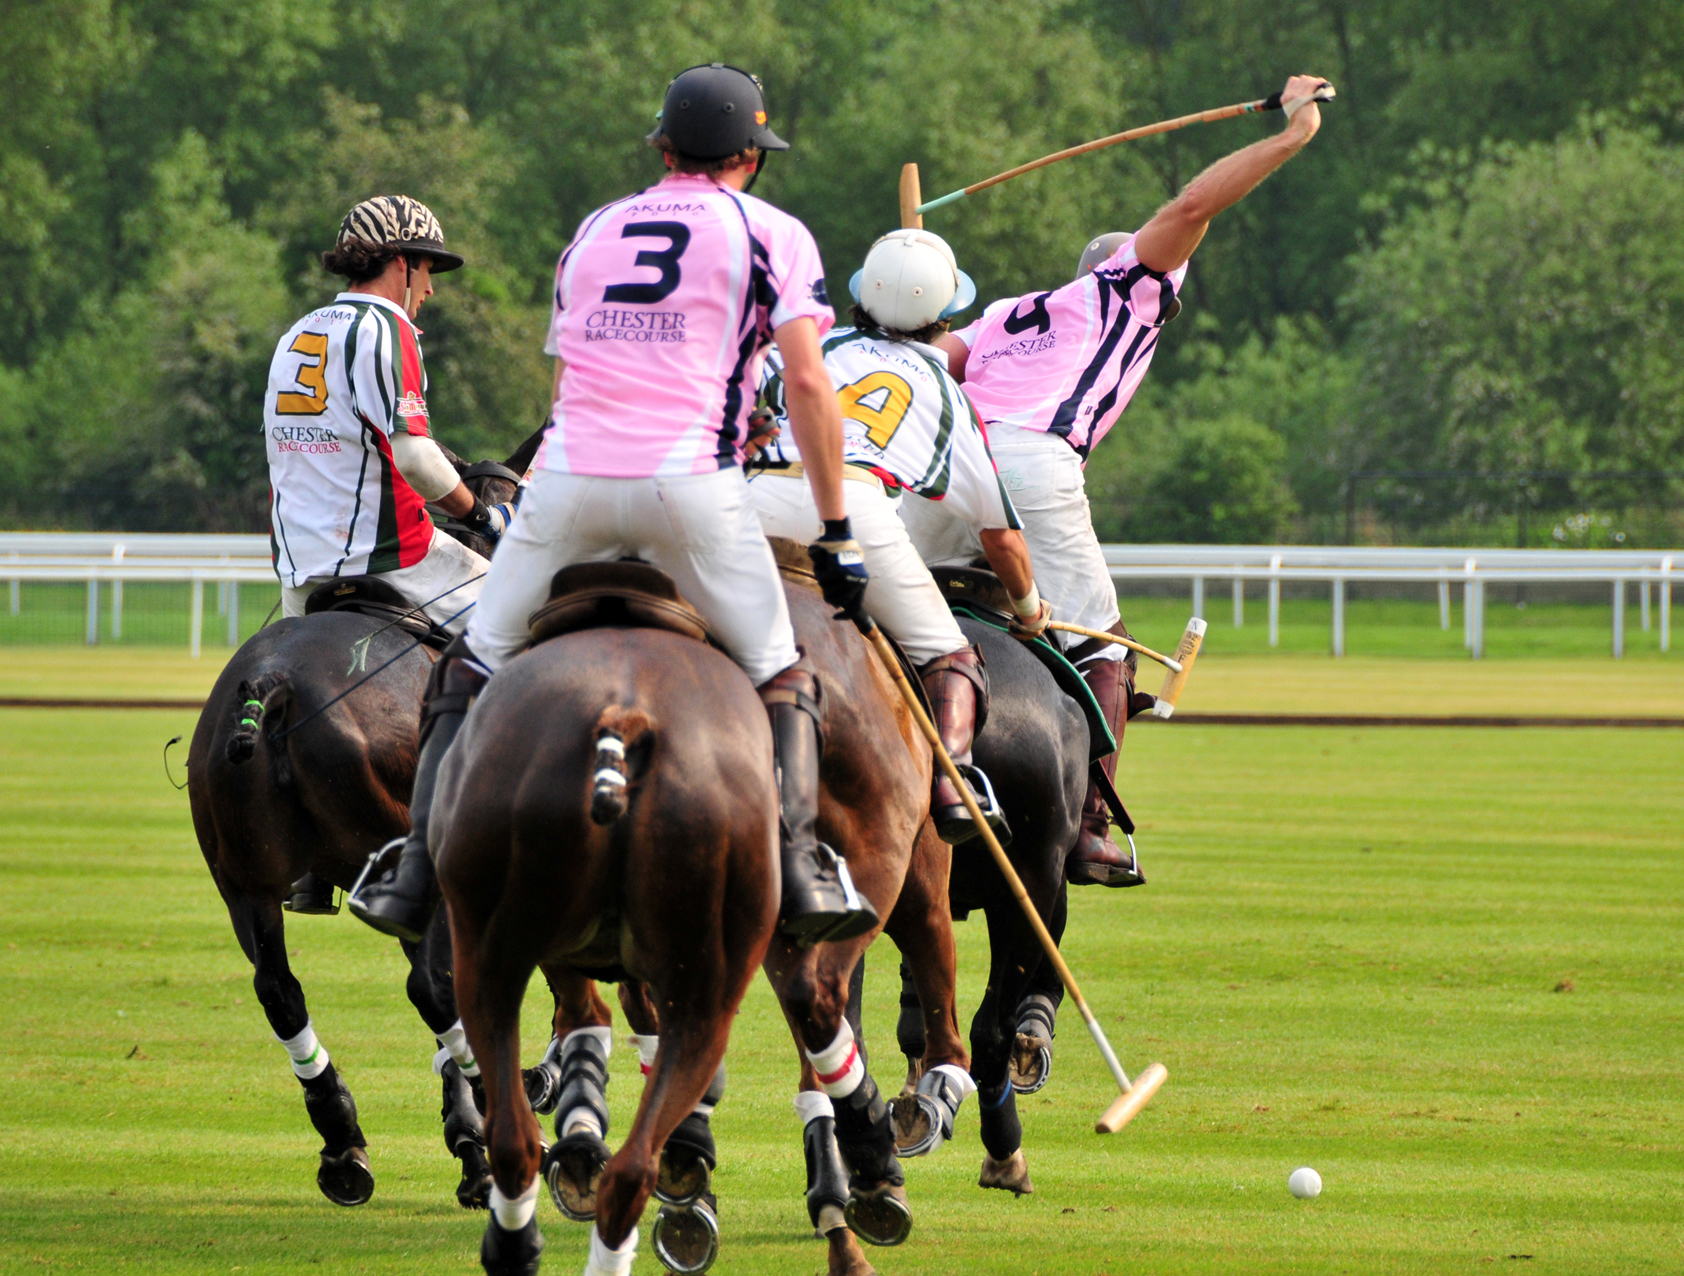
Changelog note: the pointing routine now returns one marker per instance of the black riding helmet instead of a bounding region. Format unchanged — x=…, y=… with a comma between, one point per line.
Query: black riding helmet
x=713, y=112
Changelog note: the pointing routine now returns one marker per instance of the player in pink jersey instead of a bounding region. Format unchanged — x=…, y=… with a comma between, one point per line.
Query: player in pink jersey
x=665, y=304
x=1050, y=373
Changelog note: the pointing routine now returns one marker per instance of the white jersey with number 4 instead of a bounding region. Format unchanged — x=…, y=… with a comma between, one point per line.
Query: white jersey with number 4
x=344, y=379
x=904, y=419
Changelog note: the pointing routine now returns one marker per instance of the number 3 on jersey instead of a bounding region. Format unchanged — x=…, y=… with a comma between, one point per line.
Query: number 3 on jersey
x=312, y=376
x=879, y=402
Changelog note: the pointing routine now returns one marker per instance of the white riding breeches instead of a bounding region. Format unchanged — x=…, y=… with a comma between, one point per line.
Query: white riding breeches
x=1043, y=475
x=902, y=596
x=445, y=584
x=697, y=528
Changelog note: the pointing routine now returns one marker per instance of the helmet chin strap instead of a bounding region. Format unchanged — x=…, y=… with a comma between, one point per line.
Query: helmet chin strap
x=408, y=270
x=755, y=176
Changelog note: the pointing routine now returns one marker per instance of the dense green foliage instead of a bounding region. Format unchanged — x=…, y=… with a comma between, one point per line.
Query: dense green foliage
x=1346, y=957
x=1471, y=269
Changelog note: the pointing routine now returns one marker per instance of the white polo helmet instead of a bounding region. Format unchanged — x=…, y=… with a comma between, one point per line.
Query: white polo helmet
x=911, y=279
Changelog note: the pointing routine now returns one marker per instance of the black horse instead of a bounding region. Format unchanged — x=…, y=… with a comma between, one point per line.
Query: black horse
x=302, y=763
x=1035, y=748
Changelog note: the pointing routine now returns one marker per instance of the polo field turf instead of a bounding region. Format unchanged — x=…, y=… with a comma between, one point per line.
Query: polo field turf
x=1441, y=966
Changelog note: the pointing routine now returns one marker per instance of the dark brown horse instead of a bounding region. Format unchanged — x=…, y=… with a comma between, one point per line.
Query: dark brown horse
x=609, y=809
x=875, y=797
x=302, y=762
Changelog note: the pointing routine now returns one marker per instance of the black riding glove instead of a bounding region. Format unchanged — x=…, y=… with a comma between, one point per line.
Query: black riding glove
x=490, y=521
x=839, y=567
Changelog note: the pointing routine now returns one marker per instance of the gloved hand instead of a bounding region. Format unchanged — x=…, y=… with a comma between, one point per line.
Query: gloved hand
x=762, y=429
x=839, y=567
x=489, y=520
x=1027, y=629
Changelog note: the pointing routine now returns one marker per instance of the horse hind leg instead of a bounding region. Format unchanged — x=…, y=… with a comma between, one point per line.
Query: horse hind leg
x=581, y=1041
x=1010, y=942
x=1037, y=1017
x=343, y=1174
x=433, y=994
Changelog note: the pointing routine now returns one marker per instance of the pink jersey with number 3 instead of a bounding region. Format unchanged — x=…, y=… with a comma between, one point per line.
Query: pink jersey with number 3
x=665, y=303
x=1067, y=362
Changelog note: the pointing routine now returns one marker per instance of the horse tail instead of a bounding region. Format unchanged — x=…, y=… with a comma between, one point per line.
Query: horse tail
x=262, y=698
x=618, y=729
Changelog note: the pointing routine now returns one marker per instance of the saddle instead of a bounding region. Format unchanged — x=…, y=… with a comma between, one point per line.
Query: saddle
x=628, y=594
x=979, y=594
x=373, y=597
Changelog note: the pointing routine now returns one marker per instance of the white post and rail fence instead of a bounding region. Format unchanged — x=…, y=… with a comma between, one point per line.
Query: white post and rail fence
x=228, y=561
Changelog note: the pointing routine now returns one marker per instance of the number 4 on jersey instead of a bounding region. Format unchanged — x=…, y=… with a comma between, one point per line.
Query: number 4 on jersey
x=879, y=402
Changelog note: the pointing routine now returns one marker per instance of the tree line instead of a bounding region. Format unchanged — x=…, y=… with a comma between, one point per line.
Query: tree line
x=1471, y=277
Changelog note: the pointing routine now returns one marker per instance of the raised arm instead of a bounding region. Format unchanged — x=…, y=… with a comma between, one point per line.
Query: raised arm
x=1168, y=240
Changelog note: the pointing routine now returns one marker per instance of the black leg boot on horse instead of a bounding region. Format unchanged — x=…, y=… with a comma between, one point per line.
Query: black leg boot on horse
x=400, y=898
x=1097, y=859
x=819, y=899
x=957, y=685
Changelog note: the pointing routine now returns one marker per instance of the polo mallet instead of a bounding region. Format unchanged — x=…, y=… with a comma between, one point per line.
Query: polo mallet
x=1325, y=93
x=1174, y=666
x=1134, y=1095
x=1175, y=681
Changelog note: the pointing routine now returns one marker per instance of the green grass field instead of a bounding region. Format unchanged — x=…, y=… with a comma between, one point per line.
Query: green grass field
x=1348, y=957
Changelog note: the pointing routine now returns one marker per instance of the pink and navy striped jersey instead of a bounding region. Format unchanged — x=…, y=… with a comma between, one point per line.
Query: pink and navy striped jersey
x=1067, y=362
x=665, y=303
x=344, y=379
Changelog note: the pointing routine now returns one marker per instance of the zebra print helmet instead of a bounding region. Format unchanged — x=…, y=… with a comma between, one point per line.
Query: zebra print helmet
x=397, y=221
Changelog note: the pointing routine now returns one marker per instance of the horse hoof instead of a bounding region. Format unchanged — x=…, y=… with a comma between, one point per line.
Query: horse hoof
x=686, y=1239
x=680, y=1180
x=505, y=1253
x=917, y=1122
x=474, y=1191
x=345, y=1179
x=879, y=1215
x=573, y=1168
x=1012, y=1174
x=1031, y=1063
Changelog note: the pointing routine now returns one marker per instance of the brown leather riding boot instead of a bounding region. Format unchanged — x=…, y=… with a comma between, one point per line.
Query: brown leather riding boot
x=1097, y=860
x=957, y=685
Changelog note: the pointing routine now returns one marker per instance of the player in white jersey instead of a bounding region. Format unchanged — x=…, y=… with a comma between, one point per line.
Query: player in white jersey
x=665, y=304
x=1051, y=373
x=351, y=460
x=907, y=427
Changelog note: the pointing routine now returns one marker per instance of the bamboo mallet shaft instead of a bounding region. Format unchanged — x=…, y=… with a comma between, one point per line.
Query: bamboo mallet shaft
x=886, y=654
x=1270, y=103
x=910, y=196
x=1174, y=666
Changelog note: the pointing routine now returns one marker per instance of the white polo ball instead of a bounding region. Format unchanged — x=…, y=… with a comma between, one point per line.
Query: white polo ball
x=1304, y=1183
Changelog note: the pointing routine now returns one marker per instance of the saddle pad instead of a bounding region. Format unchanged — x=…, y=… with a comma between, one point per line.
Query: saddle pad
x=970, y=592
x=370, y=596
x=625, y=594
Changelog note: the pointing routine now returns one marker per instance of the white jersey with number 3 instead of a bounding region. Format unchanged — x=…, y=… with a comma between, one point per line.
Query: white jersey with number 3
x=906, y=420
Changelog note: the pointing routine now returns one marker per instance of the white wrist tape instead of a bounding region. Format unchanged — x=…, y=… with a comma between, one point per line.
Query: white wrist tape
x=1029, y=606
x=423, y=466
x=645, y=1046
x=309, y=1056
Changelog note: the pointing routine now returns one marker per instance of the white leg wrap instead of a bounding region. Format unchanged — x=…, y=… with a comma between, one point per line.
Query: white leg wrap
x=811, y=1105
x=516, y=1214
x=610, y=1262
x=455, y=1040
x=838, y=1064
x=309, y=1056
x=646, y=1047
